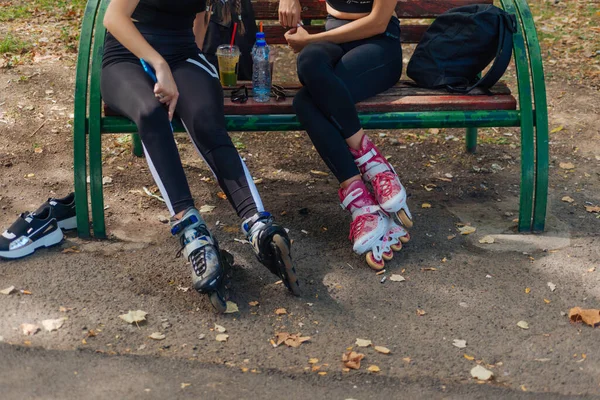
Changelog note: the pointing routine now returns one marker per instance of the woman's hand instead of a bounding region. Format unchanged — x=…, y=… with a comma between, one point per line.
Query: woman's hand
x=289, y=13
x=165, y=89
x=297, y=38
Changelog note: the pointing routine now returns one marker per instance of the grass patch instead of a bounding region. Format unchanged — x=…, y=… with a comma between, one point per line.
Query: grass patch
x=12, y=11
x=11, y=44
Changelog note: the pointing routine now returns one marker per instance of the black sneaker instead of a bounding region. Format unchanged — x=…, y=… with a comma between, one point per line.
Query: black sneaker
x=63, y=210
x=30, y=232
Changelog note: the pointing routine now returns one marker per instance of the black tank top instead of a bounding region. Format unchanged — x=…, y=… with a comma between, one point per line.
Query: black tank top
x=168, y=14
x=352, y=6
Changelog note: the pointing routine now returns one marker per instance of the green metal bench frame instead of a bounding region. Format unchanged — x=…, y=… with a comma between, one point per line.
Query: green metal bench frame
x=531, y=116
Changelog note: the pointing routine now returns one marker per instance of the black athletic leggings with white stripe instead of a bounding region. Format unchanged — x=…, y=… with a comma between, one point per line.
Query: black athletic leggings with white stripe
x=127, y=89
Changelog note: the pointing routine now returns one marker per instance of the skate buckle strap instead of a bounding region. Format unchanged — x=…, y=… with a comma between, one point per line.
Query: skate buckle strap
x=353, y=195
x=184, y=223
x=365, y=157
x=197, y=243
x=376, y=170
x=249, y=223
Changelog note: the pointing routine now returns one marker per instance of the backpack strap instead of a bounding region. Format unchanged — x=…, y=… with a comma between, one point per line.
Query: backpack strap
x=503, y=55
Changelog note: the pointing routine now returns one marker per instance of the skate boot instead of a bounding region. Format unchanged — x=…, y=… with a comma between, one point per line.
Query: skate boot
x=271, y=245
x=389, y=192
x=202, y=251
x=369, y=223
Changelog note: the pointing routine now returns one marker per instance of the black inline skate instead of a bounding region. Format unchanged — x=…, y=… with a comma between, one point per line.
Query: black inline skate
x=202, y=250
x=271, y=245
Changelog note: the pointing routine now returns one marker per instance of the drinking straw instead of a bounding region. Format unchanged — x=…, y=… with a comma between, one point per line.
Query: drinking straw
x=261, y=26
x=233, y=36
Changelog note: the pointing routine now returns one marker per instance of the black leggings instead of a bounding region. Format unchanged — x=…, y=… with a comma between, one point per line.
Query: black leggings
x=335, y=78
x=128, y=90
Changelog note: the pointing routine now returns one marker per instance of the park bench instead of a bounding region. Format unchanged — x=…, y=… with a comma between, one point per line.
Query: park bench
x=403, y=106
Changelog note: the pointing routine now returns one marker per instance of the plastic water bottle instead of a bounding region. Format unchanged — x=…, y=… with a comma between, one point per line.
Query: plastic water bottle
x=261, y=72
x=259, y=36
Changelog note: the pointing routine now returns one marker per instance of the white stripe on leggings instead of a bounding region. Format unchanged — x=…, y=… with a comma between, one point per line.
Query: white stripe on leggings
x=158, y=181
x=251, y=185
x=208, y=62
x=211, y=73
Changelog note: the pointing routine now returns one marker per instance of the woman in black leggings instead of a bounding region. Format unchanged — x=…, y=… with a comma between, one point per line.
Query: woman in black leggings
x=358, y=56
x=168, y=35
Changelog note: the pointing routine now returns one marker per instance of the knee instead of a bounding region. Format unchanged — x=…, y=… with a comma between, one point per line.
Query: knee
x=301, y=102
x=311, y=63
x=151, y=118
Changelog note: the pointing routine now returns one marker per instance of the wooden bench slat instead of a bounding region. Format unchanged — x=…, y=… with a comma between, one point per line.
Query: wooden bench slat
x=315, y=9
x=408, y=33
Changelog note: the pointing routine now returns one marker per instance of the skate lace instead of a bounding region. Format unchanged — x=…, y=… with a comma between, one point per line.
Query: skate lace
x=358, y=225
x=382, y=183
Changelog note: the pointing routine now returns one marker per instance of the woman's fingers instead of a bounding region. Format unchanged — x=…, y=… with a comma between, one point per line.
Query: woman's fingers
x=172, y=106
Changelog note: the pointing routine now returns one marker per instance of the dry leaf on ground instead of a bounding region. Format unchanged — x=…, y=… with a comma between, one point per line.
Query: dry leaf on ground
x=568, y=199
x=133, y=317
x=281, y=311
x=157, y=336
x=467, y=229
x=363, y=342
x=317, y=172
x=487, y=239
x=222, y=195
x=397, y=278
x=290, y=340
x=220, y=329
x=222, y=337
x=53, y=324
x=566, y=165
x=8, y=290
x=461, y=344
x=425, y=205
x=373, y=368
x=231, y=308
x=184, y=385
x=29, y=329
x=478, y=372
x=253, y=303
x=468, y=357
x=587, y=316
x=592, y=209
x=523, y=324
x=552, y=286
x=382, y=350
x=313, y=360
x=450, y=237
x=429, y=269
x=420, y=312
x=352, y=359
x=206, y=208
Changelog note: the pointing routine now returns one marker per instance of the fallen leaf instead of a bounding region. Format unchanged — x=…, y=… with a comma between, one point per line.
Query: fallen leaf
x=184, y=385
x=290, y=340
x=591, y=269
x=382, y=350
x=592, y=209
x=487, y=239
x=133, y=317
x=106, y=180
x=281, y=311
x=428, y=269
x=322, y=373
x=8, y=290
x=231, y=308
x=461, y=344
x=552, y=286
x=450, y=237
x=527, y=290
x=53, y=324
x=317, y=172
x=420, y=312
x=568, y=199
x=429, y=187
x=566, y=165
x=373, y=368
x=590, y=317
x=220, y=329
x=222, y=337
x=65, y=309
x=363, y=342
x=425, y=205
x=546, y=301
x=157, y=336
x=397, y=278
x=468, y=357
x=29, y=175
x=406, y=359
x=313, y=360
x=557, y=129
x=253, y=303
x=29, y=329
x=523, y=325
x=222, y=195
x=478, y=372
x=523, y=388
x=206, y=208
x=72, y=249
x=467, y=229
x=38, y=150
x=351, y=359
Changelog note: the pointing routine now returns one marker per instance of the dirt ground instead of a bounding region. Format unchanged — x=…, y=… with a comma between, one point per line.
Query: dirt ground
x=468, y=290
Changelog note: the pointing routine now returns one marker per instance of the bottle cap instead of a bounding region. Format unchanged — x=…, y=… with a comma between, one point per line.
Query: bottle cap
x=261, y=43
x=260, y=35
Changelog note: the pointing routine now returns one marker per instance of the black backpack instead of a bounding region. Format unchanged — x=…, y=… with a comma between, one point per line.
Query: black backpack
x=459, y=44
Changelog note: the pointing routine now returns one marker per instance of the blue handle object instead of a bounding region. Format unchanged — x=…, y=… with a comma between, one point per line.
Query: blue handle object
x=148, y=69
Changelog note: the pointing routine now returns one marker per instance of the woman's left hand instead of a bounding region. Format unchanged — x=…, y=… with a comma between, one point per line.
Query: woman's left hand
x=297, y=38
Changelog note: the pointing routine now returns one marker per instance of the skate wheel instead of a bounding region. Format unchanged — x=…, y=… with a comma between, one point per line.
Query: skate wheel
x=287, y=271
x=405, y=238
x=396, y=247
x=218, y=302
x=404, y=219
x=373, y=263
x=388, y=255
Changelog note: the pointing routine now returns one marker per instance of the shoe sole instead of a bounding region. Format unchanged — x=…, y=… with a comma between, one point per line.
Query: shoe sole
x=68, y=224
x=49, y=240
x=286, y=268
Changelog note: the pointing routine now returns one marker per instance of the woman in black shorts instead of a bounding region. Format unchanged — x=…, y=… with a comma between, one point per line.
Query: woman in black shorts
x=168, y=35
x=358, y=56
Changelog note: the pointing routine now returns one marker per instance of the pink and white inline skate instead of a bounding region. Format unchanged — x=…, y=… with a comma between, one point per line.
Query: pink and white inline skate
x=389, y=192
x=370, y=225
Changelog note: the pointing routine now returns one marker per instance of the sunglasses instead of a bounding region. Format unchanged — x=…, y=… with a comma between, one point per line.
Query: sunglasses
x=240, y=95
x=278, y=92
